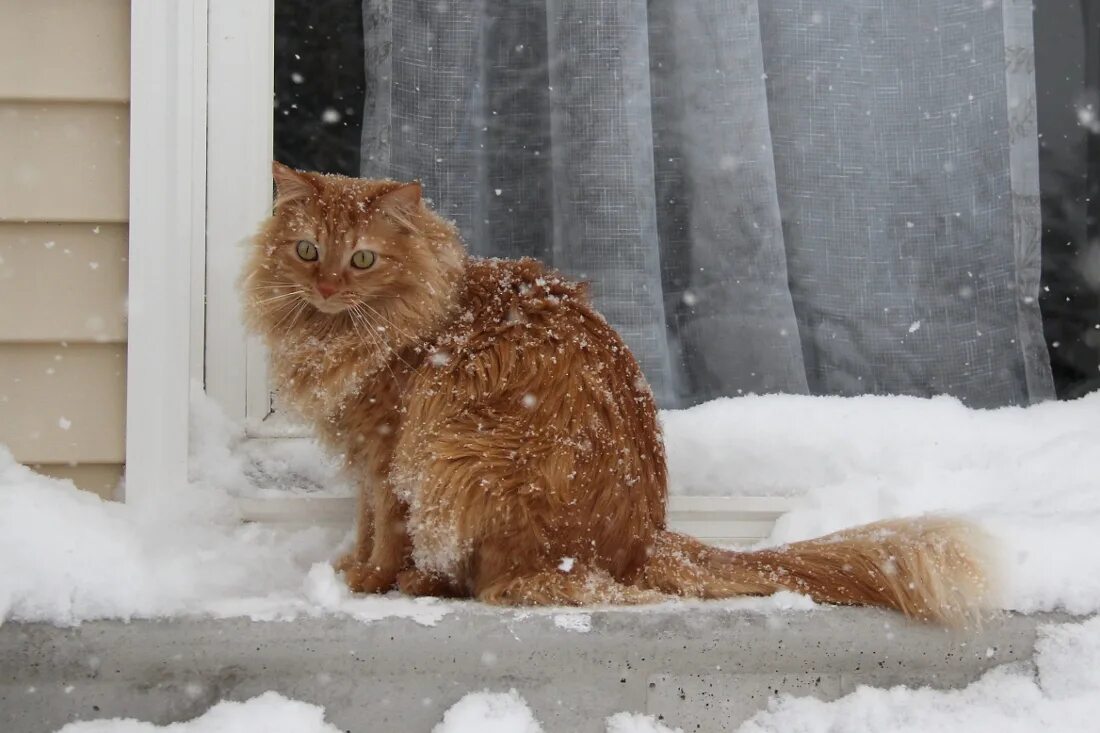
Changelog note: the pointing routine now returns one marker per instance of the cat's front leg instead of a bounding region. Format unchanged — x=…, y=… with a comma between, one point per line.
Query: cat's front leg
x=364, y=528
x=390, y=546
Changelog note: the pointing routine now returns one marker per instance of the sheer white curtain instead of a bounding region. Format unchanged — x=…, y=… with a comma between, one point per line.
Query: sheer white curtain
x=794, y=196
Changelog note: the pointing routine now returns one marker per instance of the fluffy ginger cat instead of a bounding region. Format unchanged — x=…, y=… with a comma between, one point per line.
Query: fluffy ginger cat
x=504, y=440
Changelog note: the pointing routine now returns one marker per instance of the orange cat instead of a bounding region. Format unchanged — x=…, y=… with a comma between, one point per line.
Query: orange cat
x=505, y=441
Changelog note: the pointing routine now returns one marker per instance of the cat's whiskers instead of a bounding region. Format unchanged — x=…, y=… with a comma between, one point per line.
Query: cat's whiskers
x=276, y=303
x=295, y=310
x=382, y=316
x=378, y=333
x=281, y=296
x=356, y=314
x=272, y=285
x=355, y=325
x=275, y=309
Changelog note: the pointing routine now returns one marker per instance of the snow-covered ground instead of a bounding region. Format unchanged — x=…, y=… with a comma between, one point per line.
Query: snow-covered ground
x=1031, y=476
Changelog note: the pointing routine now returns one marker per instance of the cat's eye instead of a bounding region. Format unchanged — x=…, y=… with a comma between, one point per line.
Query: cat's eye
x=362, y=259
x=307, y=250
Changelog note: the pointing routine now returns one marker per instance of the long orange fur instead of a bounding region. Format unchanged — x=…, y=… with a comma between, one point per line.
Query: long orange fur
x=505, y=441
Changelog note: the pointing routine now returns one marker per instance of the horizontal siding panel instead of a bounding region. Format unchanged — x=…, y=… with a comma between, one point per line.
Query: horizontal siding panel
x=65, y=49
x=64, y=161
x=61, y=404
x=63, y=282
x=98, y=478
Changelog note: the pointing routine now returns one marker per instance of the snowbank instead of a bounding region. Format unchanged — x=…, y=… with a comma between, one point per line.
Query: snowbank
x=67, y=556
x=1032, y=476
x=221, y=458
x=787, y=445
x=1061, y=694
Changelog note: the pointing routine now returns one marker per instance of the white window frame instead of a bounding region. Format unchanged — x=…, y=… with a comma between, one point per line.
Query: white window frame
x=200, y=154
x=167, y=223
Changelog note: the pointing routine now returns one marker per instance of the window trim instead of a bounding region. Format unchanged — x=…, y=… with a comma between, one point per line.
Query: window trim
x=166, y=236
x=201, y=126
x=239, y=129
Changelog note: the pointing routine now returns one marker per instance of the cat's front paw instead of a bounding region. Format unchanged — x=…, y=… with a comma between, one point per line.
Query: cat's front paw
x=362, y=577
x=416, y=582
x=349, y=560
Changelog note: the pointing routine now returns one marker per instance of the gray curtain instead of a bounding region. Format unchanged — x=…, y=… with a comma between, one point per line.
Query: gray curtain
x=792, y=196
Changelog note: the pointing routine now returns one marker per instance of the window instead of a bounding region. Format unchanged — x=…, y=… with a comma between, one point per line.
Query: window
x=463, y=98
x=768, y=200
x=1067, y=77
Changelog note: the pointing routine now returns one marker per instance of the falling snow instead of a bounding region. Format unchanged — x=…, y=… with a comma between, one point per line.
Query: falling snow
x=1087, y=118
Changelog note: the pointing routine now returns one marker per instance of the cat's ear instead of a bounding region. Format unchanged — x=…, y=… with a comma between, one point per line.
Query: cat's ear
x=401, y=204
x=401, y=199
x=290, y=185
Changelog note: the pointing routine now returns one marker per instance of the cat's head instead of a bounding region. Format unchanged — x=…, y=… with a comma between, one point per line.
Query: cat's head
x=336, y=250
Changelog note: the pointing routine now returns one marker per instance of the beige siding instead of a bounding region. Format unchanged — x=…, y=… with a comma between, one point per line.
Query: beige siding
x=64, y=161
x=63, y=403
x=99, y=478
x=64, y=143
x=65, y=49
x=62, y=282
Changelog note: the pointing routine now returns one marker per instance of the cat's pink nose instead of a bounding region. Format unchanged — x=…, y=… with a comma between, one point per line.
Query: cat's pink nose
x=327, y=289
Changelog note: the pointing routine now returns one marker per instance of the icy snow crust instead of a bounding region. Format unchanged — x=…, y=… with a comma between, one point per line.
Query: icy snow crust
x=67, y=556
x=1061, y=694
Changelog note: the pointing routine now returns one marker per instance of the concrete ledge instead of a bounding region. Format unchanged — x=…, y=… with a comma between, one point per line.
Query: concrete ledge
x=702, y=667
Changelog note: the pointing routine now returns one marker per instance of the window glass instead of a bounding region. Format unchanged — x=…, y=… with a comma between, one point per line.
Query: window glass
x=838, y=201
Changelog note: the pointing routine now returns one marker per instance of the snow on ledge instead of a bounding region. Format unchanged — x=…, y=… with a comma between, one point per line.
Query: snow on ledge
x=1031, y=476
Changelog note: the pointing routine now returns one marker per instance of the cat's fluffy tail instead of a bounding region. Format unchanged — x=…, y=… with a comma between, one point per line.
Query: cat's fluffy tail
x=931, y=568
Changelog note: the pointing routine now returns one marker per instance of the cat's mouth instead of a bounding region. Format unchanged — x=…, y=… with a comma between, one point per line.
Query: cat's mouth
x=329, y=306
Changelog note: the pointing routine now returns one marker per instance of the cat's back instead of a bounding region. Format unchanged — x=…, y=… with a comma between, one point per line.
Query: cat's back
x=526, y=303
x=522, y=301
x=498, y=287
x=533, y=374
x=520, y=320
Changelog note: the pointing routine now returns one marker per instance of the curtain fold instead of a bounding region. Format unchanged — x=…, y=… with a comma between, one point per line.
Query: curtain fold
x=790, y=197
x=604, y=210
x=726, y=280
x=903, y=208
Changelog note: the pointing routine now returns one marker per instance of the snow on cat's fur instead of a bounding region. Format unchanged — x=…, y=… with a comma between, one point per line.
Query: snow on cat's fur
x=497, y=424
